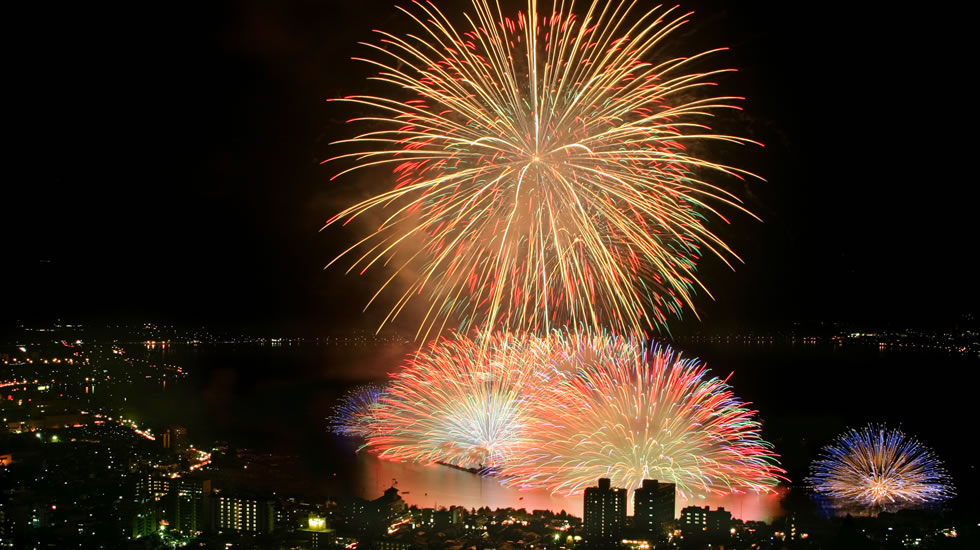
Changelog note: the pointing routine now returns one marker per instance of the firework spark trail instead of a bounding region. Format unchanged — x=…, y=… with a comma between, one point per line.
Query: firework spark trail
x=354, y=414
x=879, y=467
x=628, y=414
x=460, y=401
x=543, y=170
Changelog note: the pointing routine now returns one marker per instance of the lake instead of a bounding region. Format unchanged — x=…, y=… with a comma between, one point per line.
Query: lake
x=277, y=398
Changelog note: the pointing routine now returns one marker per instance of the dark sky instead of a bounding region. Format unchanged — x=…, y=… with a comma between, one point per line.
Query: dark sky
x=164, y=162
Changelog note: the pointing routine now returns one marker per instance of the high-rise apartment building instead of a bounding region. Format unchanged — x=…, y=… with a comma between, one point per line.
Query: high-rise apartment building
x=235, y=513
x=191, y=505
x=605, y=511
x=653, y=506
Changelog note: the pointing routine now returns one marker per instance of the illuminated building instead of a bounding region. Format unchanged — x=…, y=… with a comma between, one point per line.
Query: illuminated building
x=696, y=520
x=388, y=544
x=355, y=510
x=140, y=513
x=250, y=515
x=191, y=504
x=653, y=507
x=143, y=519
x=605, y=511
x=387, y=510
x=376, y=517
x=457, y=515
x=152, y=485
x=428, y=516
x=175, y=438
x=719, y=522
x=316, y=523
x=318, y=532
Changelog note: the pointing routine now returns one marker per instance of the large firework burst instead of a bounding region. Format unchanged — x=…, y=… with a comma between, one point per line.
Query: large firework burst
x=461, y=402
x=879, y=468
x=354, y=415
x=629, y=413
x=560, y=411
x=544, y=175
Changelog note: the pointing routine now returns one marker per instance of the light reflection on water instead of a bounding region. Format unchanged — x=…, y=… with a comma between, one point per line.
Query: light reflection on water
x=435, y=485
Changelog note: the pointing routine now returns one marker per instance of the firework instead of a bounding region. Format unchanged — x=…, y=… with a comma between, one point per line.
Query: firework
x=560, y=411
x=461, y=402
x=880, y=468
x=544, y=168
x=354, y=415
x=630, y=413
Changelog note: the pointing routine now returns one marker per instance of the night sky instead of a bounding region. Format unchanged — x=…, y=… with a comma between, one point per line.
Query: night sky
x=164, y=162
